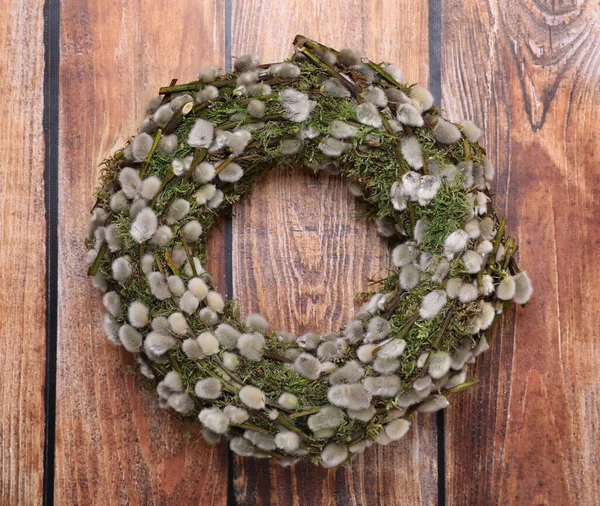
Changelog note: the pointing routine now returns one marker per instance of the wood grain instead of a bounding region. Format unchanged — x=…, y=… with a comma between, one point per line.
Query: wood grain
x=22, y=253
x=529, y=73
x=113, y=444
x=300, y=254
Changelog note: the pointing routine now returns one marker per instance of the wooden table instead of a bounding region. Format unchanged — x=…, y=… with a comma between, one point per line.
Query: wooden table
x=78, y=428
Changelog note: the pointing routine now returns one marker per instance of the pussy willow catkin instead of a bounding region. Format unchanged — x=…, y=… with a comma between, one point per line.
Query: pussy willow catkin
x=424, y=181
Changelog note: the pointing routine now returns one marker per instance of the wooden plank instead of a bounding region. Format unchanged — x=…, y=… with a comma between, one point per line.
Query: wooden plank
x=300, y=254
x=529, y=73
x=114, y=446
x=22, y=253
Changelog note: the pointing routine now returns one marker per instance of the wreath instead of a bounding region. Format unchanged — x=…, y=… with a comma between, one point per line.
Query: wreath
x=425, y=182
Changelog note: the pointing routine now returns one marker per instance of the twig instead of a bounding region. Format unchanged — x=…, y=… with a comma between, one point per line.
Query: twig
x=188, y=253
x=93, y=269
x=146, y=162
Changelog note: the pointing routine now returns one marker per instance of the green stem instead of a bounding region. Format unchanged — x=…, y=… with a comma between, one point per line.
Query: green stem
x=413, y=218
x=462, y=386
x=330, y=70
x=251, y=426
x=233, y=124
x=306, y=412
x=177, y=118
x=199, y=156
x=170, y=175
x=445, y=324
x=146, y=163
x=401, y=335
x=174, y=363
x=170, y=263
x=377, y=68
x=188, y=253
x=498, y=240
x=93, y=269
x=223, y=164
x=276, y=356
x=162, y=271
x=178, y=88
x=290, y=426
x=511, y=249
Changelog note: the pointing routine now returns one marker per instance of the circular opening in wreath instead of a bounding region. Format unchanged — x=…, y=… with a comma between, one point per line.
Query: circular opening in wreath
x=303, y=250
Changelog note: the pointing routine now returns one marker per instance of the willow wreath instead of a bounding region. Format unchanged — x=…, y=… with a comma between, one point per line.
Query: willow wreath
x=424, y=181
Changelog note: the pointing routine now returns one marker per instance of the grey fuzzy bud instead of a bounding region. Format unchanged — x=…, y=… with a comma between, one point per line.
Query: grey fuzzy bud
x=412, y=151
x=367, y=114
x=331, y=146
x=257, y=322
x=158, y=286
x=168, y=144
x=409, y=115
x=159, y=343
x=382, y=386
x=439, y=364
x=341, y=130
x=354, y=396
x=188, y=302
x=207, y=93
x=334, y=88
x=181, y=402
x=471, y=131
x=377, y=329
x=112, y=303
x=524, y=288
x=208, y=74
x=214, y=419
x=208, y=316
x=144, y=226
x=111, y=329
x=163, y=115
x=208, y=388
x=177, y=211
x=327, y=418
x=436, y=404
x=354, y=332
x=307, y=366
x=227, y=336
x=421, y=97
x=251, y=346
x=351, y=372
x=141, y=146
x=119, y=203
x=377, y=97
x=333, y=455
x=192, y=349
x=130, y=182
x=246, y=62
x=446, y=132
x=201, y=135
x=284, y=70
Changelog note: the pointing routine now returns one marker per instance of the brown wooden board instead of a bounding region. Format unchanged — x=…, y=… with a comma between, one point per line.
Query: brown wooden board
x=22, y=253
x=300, y=253
x=113, y=444
x=529, y=73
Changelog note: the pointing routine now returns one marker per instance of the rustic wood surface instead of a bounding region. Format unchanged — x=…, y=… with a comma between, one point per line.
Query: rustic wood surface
x=528, y=73
x=113, y=444
x=22, y=253
x=300, y=254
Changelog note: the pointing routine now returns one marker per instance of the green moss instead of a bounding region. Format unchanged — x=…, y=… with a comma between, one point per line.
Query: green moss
x=445, y=214
x=375, y=168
